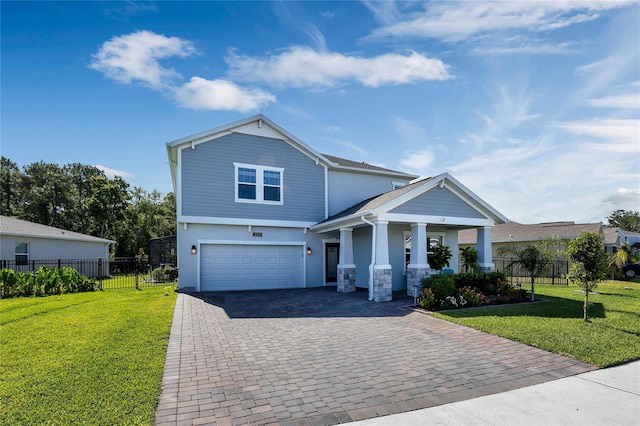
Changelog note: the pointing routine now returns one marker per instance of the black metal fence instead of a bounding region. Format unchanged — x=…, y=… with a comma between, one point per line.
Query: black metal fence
x=555, y=272
x=114, y=273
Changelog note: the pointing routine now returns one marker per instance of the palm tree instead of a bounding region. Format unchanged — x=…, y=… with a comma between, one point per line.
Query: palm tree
x=469, y=258
x=532, y=259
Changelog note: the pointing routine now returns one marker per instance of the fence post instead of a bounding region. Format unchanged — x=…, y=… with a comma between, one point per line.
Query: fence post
x=100, y=273
x=138, y=274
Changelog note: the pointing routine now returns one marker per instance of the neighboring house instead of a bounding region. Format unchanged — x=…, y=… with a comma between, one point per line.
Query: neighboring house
x=259, y=209
x=26, y=246
x=525, y=234
x=615, y=238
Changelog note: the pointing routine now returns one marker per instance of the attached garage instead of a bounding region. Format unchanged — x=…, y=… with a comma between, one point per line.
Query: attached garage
x=251, y=267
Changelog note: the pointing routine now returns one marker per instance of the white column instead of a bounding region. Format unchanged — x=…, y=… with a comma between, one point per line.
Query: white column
x=346, y=247
x=382, y=244
x=451, y=240
x=418, y=258
x=485, y=259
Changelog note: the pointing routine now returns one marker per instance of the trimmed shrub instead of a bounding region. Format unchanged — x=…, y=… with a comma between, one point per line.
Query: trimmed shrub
x=441, y=286
x=164, y=274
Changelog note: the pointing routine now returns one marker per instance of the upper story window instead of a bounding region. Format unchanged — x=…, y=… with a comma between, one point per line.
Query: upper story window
x=258, y=184
x=22, y=253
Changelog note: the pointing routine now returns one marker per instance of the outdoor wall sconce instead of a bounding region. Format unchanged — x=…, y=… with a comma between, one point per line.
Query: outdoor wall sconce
x=309, y=251
x=193, y=249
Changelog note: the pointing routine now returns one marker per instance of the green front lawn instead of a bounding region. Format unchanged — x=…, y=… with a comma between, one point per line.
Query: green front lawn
x=86, y=358
x=555, y=324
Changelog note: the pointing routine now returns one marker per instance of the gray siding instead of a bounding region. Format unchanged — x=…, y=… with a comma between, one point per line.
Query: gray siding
x=208, y=177
x=349, y=188
x=438, y=202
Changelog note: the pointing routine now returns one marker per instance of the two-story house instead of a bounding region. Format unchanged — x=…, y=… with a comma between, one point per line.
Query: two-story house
x=259, y=209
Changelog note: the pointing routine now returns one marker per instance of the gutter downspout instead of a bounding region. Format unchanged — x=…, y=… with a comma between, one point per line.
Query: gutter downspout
x=373, y=255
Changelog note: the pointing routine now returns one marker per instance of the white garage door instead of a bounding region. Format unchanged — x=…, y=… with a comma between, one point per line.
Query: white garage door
x=250, y=267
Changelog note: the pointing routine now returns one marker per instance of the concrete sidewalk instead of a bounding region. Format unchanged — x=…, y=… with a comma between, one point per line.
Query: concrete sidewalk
x=609, y=396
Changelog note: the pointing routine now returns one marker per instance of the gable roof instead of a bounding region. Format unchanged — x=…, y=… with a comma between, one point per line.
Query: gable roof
x=11, y=226
x=518, y=232
x=262, y=126
x=389, y=200
x=343, y=163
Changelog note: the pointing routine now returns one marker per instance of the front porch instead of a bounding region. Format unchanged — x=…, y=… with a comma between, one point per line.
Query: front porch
x=384, y=242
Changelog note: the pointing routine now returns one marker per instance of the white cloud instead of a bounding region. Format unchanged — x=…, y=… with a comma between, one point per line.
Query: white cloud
x=200, y=93
x=134, y=57
x=623, y=133
x=624, y=197
x=630, y=101
x=301, y=66
x=418, y=161
x=461, y=20
x=529, y=48
x=409, y=131
x=113, y=172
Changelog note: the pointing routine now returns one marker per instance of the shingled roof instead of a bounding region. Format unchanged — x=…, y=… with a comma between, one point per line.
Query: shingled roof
x=23, y=228
x=358, y=165
x=518, y=232
x=377, y=201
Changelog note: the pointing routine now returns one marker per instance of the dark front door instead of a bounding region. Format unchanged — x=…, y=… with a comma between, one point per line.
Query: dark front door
x=332, y=256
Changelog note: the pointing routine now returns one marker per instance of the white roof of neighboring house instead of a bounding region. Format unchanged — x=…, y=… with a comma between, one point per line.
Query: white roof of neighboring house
x=22, y=228
x=518, y=232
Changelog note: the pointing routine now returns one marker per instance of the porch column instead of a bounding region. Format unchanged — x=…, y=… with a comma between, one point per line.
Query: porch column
x=418, y=268
x=382, y=282
x=485, y=260
x=346, y=267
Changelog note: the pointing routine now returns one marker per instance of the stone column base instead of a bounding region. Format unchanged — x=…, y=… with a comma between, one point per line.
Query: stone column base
x=414, y=280
x=346, y=279
x=382, y=283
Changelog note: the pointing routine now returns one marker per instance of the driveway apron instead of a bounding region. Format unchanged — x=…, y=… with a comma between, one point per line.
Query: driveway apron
x=314, y=356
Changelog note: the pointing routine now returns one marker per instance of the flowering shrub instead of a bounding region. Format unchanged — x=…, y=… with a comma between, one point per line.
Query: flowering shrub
x=428, y=300
x=472, y=297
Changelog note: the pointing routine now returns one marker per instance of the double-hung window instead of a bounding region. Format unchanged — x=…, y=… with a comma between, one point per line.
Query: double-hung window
x=22, y=253
x=258, y=184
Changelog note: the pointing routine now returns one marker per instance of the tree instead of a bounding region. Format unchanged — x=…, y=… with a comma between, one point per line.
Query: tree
x=107, y=204
x=10, y=178
x=589, y=264
x=625, y=219
x=532, y=259
x=469, y=258
x=440, y=257
x=149, y=215
x=45, y=190
x=80, y=176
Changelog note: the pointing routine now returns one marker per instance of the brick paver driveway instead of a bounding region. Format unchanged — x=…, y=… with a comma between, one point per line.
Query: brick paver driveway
x=315, y=356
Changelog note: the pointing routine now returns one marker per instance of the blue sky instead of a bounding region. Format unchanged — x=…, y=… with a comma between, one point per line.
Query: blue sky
x=534, y=106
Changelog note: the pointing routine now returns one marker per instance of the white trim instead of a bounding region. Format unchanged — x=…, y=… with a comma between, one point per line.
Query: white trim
x=435, y=220
x=303, y=244
x=326, y=191
x=243, y=221
x=178, y=188
x=259, y=184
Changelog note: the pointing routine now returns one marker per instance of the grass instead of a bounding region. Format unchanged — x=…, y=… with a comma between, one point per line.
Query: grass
x=129, y=281
x=87, y=358
x=611, y=337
